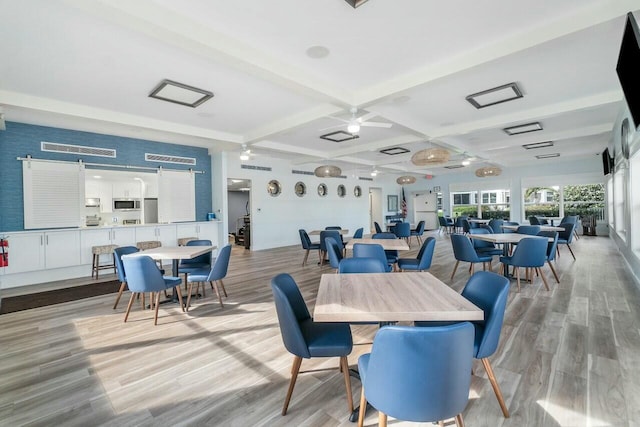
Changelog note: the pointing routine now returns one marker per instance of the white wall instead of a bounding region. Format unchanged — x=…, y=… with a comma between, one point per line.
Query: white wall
x=275, y=220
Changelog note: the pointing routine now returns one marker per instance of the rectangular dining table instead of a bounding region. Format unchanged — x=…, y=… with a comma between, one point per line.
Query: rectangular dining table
x=387, y=244
x=542, y=228
x=342, y=231
x=505, y=239
x=390, y=297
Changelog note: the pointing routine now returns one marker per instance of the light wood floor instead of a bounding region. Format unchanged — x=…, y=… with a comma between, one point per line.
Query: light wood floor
x=569, y=357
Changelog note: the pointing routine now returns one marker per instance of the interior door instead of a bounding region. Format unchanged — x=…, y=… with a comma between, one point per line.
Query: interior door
x=425, y=209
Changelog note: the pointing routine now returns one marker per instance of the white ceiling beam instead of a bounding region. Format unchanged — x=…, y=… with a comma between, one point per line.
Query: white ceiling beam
x=82, y=111
x=586, y=17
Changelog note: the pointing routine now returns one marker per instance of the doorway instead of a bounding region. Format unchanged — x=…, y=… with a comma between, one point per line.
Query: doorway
x=375, y=208
x=239, y=207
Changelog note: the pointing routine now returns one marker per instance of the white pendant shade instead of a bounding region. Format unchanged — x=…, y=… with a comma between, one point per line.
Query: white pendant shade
x=327, y=171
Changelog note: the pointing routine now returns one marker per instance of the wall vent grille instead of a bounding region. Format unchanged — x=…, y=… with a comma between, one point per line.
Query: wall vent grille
x=454, y=167
x=163, y=158
x=302, y=172
x=365, y=178
x=256, y=168
x=55, y=147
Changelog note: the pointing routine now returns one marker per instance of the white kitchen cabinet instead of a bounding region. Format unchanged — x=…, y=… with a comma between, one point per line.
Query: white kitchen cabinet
x=121, y=236
x=151, y=187
x=126, y=189
x=166, y=234
x=101, y=189
x=200, y=230
x=39, y=251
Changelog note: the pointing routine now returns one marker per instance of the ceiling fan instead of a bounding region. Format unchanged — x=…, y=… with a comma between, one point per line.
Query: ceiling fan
x=354, y=123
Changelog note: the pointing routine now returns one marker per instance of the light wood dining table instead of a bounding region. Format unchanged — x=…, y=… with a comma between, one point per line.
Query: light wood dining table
x=387, y=244
x=342, y=231
x=542, y=228
x=390, y=297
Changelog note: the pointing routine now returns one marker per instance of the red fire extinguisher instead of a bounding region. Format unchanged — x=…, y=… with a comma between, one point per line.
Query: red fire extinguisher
x=4, y=253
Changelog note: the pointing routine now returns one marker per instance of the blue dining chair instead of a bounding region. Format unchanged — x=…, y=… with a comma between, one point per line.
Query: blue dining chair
x=334, y=251
x=364, y=250
x=459, y=225
x=377, y=227
x=392, y=254
x=531, y=252
x=418, y=374
x=336, y=227
x=572, y=219
x=566, y=237
x=335, y=234
x=463, y=251
x=482, y=247
x=143, y=275
x=359, y=233
x=402, y=230
x=551, y=250
x=213, y=275
x=119, y=252
x=532, y=230
x=418, y=232
x=444, y=226
x=508, y=223
x=489, y=292
x=362, y=265
x=423, y=261
x=533, y=220
x=187, y=266
x=308, y=246
x=305, y=338
x=496, y=225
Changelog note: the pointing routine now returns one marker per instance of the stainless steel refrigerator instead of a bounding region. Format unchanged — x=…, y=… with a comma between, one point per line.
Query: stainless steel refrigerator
x=150, y=211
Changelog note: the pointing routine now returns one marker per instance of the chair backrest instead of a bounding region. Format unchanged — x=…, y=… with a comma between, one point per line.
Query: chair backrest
x=510, y=223
x=420, y=228
x=463, y=248
x=403, y=229
x=458, y=222
x=533, y=220
x=221, y=264
x=143, y=274
x=477, y=243
x=496, y=225
x=551, y=246
x=571, y=219
x=567, y=234
x=335, y=234
x=292, y=311
x=359, y=233
x=532, y=230
x=334, y=250
x=333, y=227
x=377, y=227
x=384, y=236
x=466, y=225
x=442, y=221
x=420, y=374
x=530, y=252
x=425, y=254
x=489, y=292
x=123, y=250
x=204, y=258
x=304, y=239
x=362, y=265
x=363, y=250
x=543, y=221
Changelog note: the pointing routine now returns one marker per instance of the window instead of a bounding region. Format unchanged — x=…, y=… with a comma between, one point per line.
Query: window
x=542, y=201
x=584, y=200
x=495, y=204
x=465, y=203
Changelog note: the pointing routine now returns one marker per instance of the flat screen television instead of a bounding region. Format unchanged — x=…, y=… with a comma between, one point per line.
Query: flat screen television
x=607, y=162
x=628, y=69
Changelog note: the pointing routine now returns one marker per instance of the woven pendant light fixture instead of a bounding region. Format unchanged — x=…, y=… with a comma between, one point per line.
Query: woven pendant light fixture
x=325, y=171
x=406, y=179
x=488, y=171
x=430, y=156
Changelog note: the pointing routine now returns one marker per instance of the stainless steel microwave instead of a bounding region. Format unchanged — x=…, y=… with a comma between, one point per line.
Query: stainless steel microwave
x=126, y=204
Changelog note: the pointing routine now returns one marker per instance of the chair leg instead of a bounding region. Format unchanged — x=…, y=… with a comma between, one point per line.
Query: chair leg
x=120, y=291
x=347, y=381
x=382, y=419
x=126, y=315
x=518, y=276
x=544, y=279
x=155, y=315
x=297, y=361
x=179, y=292
x=496, y=387
x=472, y=268
x=189, y=293
x=306, y=255
x=454, y=269
x=142, y=299
x=224, y=291
x=215, y=287
x=459, y=421
x=363, y=408
x=553, y=270
x=571, y=250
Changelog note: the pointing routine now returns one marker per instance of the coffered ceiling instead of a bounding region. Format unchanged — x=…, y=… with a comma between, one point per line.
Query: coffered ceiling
x=284, y=72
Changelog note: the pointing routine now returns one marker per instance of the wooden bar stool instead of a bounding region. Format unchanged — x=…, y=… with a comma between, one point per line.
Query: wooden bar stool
x=102, y=250
x=150, y=244
x=184, y=240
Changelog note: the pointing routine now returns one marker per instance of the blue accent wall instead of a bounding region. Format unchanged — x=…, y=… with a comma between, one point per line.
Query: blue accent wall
x=20, y=139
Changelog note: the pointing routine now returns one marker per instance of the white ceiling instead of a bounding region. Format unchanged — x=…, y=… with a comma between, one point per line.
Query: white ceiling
x=91, y=66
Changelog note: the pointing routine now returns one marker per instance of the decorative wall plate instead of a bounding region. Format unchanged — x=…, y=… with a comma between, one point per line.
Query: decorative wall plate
x=357, y=191
x=625, y=138
x=300, y=189
x=342, y=191
x=322, y=190
x=274, y=188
